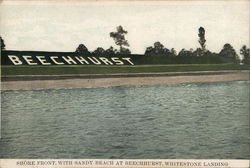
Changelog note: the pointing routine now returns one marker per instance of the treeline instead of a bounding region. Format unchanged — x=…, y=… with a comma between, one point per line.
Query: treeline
x=227, y=53
x=119, y=38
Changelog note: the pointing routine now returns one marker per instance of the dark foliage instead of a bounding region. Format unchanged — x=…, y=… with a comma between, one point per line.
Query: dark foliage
x=185, y=53
x=159, y=50
x=196, y=53
x=2, y=44
x=99, y=51
x=245, y=52
x=202, y=39
x=111, y=51
x=119, y=38
x=124, y=51
x=229, y=53
x=173, y=52
x=82, y=49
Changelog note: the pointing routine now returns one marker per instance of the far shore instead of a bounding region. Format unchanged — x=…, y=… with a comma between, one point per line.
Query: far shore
x=45, y=82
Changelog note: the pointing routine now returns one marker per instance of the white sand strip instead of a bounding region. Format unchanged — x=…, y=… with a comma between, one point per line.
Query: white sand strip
x=123, y=81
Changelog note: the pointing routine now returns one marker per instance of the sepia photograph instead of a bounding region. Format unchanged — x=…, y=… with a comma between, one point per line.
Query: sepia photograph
x=125, y=83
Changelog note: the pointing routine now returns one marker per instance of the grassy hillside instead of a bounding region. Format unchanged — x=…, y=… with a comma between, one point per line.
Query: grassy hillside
x=94, y=69
x=145, y=60
x=135, y=58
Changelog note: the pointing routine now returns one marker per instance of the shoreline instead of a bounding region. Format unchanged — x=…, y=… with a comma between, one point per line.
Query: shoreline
x=47, y=82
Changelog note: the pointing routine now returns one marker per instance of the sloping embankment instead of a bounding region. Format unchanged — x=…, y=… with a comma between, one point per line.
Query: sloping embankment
x=42, y=82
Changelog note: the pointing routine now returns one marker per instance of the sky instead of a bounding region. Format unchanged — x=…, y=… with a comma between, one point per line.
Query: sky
x=63, y=25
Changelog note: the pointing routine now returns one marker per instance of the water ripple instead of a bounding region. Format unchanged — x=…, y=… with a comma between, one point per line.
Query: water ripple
x=198, y=121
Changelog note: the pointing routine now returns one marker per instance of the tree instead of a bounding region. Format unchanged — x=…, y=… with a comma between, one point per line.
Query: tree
x=158, y=49
x=119, y=38
x=198, y=52
x=210, y=54
x=245, y=52
x=2, y=44
x=202, y=39
x=185, y=53
x=173, y=52
x=82, y=49
x=99, y=51
x=229, y=53
x=149, y=51
x=111, y=51
x=125, y=51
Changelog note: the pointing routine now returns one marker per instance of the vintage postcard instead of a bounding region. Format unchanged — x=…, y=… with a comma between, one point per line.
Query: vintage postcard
x=125, y=84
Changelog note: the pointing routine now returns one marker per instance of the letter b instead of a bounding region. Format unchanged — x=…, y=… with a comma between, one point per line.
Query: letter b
x=15, y=60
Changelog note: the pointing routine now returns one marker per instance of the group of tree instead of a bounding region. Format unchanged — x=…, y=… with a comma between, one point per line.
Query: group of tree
x=227, y=53
x=118, y=37
x=82, y=49
x=158, y=49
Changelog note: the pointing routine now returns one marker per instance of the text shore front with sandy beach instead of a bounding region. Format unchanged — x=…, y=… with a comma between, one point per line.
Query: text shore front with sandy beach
x=44, y=82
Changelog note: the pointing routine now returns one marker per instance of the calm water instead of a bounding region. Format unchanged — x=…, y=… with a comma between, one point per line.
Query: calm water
x=198, y=121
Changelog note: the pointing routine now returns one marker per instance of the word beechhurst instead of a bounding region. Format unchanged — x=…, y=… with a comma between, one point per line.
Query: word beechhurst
x=68, y=60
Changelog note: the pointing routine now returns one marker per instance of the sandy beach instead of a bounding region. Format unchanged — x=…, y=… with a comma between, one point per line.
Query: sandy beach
x=110, y=80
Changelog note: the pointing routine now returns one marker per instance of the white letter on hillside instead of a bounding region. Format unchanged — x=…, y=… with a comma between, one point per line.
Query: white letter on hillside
x=117, y=61
x=69, y=60
x=53, y=59
x=105, y=61
x=29, y=60
x=128, y=59
x=15, y=60
x=43, y=60
x=97, y=62
x=82, y=60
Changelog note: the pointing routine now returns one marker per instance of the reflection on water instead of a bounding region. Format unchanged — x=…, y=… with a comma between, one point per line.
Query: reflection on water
x=198, y=121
